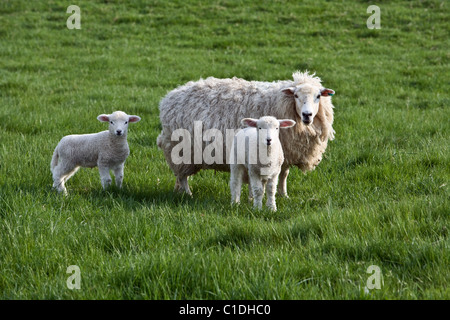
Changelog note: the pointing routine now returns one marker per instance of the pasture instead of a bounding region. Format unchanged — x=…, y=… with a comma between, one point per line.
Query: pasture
x=379, y=198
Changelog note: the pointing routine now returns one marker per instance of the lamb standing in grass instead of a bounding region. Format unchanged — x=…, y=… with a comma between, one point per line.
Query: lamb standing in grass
x=261, y=156
x=107, y=149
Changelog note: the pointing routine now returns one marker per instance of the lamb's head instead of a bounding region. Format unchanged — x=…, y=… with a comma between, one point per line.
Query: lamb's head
x=118, y=122
x=307, y=98
x=267, y=127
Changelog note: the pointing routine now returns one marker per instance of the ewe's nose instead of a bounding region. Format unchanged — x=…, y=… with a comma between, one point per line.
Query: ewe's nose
x=269, y=141
x=306, y=117
x=119, y=132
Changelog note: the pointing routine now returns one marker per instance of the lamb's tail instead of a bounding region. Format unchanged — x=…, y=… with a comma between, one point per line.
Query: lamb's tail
x=55, y=158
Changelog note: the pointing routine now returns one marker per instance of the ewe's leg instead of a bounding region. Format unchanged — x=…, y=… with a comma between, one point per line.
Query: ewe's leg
x=282, y=184
x=182, y=185
x=118, y=174
x=257, y=191
x=250, y=193
x=236, y=177
x=104, y=177
x=271, y=190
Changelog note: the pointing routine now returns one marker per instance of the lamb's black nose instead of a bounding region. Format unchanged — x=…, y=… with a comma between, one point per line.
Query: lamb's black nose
x=269, y=141
x=306, y=114
x=119, y=132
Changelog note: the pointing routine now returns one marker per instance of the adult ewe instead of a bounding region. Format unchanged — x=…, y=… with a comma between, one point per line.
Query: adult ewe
x=107, y=149
x=221, y=104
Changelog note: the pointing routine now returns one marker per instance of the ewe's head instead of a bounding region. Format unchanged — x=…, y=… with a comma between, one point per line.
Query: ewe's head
x=267, y=127
x=118, y=122
x=307, y=98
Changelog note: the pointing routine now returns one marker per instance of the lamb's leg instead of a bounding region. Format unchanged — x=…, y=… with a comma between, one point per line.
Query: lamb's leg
x=257, y=190
x=67, y=177
x=271, y=190
x=118, y=174
x=182, y=185
x=104, y=176
x=58, y=183
x=282, y=184
x=236, y=177
x=61, y=173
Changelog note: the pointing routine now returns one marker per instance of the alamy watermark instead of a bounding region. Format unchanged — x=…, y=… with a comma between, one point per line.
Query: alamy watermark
x=212, y=153
x=374, y=20
x=74, y=281
x=375, y=281
x=74, y=21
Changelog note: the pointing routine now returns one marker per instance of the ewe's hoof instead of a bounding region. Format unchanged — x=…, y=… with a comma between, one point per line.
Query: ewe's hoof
x=182, y=191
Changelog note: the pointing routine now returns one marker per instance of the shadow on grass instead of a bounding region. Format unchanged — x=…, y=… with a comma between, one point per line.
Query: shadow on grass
x=205, y=200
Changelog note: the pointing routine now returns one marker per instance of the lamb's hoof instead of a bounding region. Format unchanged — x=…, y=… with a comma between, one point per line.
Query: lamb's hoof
x=60, y=190
x=283, y=195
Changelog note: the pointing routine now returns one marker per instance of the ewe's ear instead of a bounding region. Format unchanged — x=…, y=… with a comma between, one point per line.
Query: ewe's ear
x=286, y=123
x=103, y=118
x=134, y=119
x=289, y=91
x=326, y=92
x=249, y=122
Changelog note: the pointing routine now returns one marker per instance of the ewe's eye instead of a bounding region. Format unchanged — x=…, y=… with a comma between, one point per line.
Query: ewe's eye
x=259, y=128
x=318, y=97
x=296, y=95
x=126, y=122
x=112, y=122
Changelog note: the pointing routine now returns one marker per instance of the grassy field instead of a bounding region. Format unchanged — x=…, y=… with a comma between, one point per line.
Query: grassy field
x=380, y=197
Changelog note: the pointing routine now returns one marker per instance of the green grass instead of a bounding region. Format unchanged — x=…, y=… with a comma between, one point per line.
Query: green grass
x=380, y=197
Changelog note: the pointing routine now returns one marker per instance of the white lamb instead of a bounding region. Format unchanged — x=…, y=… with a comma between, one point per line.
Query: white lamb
x=107, y=149
x=257, y=150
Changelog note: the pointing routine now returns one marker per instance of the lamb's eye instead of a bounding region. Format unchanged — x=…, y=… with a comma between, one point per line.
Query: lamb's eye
x=112, y=122
x=259, y=128
x=318, y=97
x=296, y=96
x=126, y=122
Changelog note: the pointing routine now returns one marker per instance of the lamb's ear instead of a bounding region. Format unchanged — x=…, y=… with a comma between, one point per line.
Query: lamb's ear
x=249, y=122
x=103, y=118
x=326, y=92
x=289, y=91
x=134, y=119
x=286, y=123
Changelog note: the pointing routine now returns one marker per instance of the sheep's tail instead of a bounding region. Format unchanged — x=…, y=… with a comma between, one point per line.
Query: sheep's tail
x=159, y=140
x=55, y=158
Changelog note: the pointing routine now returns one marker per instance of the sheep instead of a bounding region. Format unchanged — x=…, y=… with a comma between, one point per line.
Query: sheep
x=222, y=103
x=263, y=157
x=107, y=149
